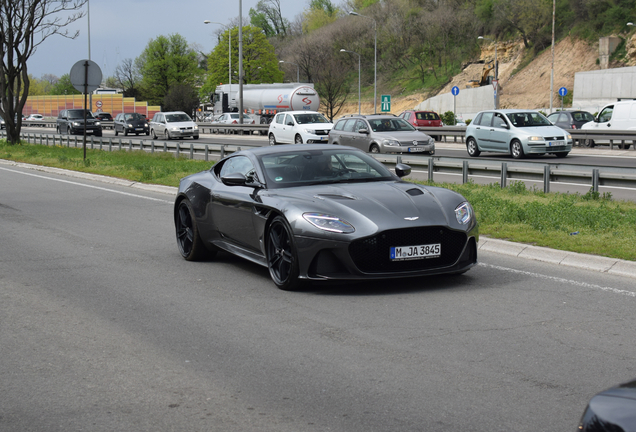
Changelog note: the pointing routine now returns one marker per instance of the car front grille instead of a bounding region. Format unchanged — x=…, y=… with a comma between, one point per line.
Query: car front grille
x=410, y=143
x=555, y=138
x=321, y=132
x=372, y=254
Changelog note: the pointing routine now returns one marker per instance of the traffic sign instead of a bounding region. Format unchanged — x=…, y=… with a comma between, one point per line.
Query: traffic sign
x=86, y=76
x=386, y=103
x=455, y=91
x=563, y=91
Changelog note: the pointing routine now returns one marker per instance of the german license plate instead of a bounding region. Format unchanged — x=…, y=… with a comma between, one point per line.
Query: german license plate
x=139, y=129
x=416, y=149
x=403, y=253
x=555, y=143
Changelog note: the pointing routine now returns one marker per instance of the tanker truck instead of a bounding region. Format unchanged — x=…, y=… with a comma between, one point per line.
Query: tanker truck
x=263, y=101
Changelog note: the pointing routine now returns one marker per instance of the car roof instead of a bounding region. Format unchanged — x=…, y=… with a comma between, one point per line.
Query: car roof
x=302, y=112
x=286, y=148
x=369, y=116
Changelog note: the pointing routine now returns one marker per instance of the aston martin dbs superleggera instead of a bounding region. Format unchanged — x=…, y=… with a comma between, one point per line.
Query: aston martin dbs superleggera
x=318, y=212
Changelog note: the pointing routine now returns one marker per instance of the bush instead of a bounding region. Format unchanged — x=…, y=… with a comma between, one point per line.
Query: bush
x=449, y=118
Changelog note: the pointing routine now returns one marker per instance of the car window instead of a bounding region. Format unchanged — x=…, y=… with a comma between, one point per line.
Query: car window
x=486, y=119
x=582, y=116
x=348, y=127
x=280, y=118
x=360, y=124
x=238, y=164
x=289, y=121
x=321, y=167
x=178, y=117
x=310, y=118
x=79, y=114
x=499, y=121
x=339, y=125
x=528, y=119
x=396, y=124
x=606, y=114
x=554, y=117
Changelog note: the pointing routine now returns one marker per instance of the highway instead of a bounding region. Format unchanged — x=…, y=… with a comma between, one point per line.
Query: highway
x=104, y=327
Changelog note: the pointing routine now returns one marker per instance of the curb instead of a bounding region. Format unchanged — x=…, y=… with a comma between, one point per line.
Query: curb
x=597, y=263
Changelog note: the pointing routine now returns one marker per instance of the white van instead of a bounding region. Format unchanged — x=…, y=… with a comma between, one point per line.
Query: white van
x=619, y=115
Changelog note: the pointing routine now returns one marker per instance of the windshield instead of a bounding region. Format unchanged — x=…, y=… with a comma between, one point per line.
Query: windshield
x=310, y=118
x=390, y=125
x=79, y=114
x=133, y=116
x=175, y=118
x=528, y=119
x=311, y=167
x=582, y=116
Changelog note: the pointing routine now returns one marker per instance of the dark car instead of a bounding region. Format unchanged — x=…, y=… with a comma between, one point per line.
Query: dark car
x=570, y=119
x=317, y=213
x=611, y=410
x=71, y=122
x=131, y=123
x=104, y=116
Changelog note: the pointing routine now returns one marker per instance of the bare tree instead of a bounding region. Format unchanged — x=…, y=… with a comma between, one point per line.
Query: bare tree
x=128, y=77
x=24, y=25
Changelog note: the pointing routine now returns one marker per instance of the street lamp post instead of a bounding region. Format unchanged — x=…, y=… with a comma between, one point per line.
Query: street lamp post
x=496, y=71
x=353, y=52
x=375, y=60
x=297, y=69
x=229, y=31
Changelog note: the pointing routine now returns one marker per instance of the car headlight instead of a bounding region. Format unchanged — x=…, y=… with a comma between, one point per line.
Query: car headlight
x=130, y=125
x=390, y=142
x=97, y=123
x=431, y=141
x=535, y=138
x=464, y=213
x=175, y=129
x=196, y=127
x=569, y=137
x=329, y=223
x=77, y=124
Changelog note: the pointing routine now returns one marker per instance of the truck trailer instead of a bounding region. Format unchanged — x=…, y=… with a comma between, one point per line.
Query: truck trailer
x=263, y=101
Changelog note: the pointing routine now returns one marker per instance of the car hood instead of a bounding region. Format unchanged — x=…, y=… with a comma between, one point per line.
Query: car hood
x=375, y=206
x=544, y=131
x=186, y=124
x=403, y=136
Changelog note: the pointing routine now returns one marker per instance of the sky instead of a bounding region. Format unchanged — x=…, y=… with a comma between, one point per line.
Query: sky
x=121, y=29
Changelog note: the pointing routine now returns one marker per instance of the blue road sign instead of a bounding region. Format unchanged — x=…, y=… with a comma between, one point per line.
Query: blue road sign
x=563, y=91
x=455, y=91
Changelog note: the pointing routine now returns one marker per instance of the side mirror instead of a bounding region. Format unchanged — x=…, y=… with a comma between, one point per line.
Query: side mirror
x=363, y=131
x=234, y=179
x=402, y=170
x=503, y=125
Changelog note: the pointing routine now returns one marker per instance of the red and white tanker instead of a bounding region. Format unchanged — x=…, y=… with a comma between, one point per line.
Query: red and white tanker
x=263, y=101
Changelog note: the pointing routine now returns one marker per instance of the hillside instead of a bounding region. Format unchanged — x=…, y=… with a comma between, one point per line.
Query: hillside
x=528, y=88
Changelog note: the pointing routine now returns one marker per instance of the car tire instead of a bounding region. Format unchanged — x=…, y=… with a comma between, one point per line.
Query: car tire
x=472, y=148
x=166, y=135
x=272, y=139
x=125, y=132
x=298, y=139
x=195, y=137
x=588, y=143
x=116, y=132
x=561, y=154
x=147, y=133
x=153, y=135
x=69, y=131
x=189, y=240
x=516, y=149
x=374, y=148
x=282, y=256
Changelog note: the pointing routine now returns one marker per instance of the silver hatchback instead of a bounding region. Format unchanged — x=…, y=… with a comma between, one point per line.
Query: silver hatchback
x=380, y=134
x=518, y=132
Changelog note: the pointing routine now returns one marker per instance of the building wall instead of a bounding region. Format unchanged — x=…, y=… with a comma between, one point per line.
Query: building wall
x=594, y=89
x=50, y=106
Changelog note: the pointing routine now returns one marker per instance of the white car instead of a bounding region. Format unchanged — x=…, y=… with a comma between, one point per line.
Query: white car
x=35, y=117
x=174, y=124
x=298, y=127
x=233, y=118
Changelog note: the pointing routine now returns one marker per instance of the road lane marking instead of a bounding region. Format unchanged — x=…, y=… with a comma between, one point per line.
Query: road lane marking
x=88, y=186
x=562, y=280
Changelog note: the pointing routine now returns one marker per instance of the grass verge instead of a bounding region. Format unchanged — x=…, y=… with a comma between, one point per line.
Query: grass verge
x=590, y=223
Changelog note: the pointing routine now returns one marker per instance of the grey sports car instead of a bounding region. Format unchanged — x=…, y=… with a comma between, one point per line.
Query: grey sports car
x=317, y=212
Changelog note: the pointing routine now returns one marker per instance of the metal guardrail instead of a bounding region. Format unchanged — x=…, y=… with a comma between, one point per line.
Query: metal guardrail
x=507, y=171
x=620, y=139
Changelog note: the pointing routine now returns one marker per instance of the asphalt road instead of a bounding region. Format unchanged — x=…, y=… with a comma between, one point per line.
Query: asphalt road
x=104, y=327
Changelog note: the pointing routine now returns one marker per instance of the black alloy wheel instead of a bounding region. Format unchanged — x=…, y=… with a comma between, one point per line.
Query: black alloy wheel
x=282, y=257
x=188, y=237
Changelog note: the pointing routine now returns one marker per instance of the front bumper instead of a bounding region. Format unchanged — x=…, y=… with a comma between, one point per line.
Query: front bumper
x=544, y=147
x=427, y=148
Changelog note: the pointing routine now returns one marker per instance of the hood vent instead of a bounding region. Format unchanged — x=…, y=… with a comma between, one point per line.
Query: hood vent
x=334, y=196
x=415, y=192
